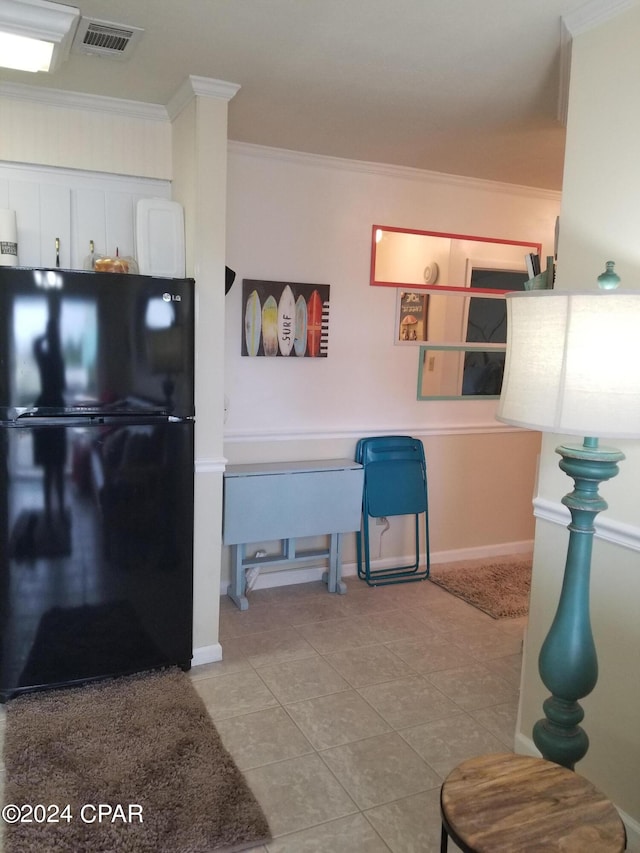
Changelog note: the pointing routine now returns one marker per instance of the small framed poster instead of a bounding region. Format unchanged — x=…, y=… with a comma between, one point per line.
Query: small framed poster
x=412, y=315
x=285, y=319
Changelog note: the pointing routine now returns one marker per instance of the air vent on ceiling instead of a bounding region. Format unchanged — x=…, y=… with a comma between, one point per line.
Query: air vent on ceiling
x=103, y=38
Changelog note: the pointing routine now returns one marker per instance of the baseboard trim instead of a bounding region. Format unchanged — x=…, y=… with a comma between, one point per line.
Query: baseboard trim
x=206, y=654
x=633, y=831
x=525, y=746
x=502, y=549
x=309, y=574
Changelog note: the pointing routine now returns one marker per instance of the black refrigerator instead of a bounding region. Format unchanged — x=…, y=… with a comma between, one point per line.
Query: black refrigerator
x=96, y=476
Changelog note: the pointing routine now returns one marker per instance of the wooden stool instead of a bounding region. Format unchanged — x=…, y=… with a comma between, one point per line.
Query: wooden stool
x=514, y=803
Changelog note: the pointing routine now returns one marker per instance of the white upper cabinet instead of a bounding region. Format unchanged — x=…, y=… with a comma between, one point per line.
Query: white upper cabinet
x=73, y=208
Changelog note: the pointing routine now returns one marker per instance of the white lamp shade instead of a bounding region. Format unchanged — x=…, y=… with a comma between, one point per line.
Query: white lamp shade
x=573, y=363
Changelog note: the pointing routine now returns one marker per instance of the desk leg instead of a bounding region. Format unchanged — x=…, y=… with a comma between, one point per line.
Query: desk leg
x=341, y=586
x=236, y=589
x=332, y=577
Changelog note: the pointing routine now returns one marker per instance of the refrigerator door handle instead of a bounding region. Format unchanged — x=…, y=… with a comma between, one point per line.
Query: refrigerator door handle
x=95, y=414
x=78, y=420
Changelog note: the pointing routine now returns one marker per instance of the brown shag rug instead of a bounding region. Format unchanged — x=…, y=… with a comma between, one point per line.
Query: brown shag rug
x=144, y=747
x=500, y=589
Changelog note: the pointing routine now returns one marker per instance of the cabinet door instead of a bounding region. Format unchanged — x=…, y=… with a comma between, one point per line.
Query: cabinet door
x=89, y=222
x=55, y=222
x=119, y=207
x=42, y=215
x=76, y=208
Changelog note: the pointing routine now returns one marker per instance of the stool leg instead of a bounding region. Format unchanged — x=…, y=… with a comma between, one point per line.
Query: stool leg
x=444, y=840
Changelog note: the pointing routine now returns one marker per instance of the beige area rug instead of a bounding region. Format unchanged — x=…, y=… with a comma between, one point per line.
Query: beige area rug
x=500, y=589
x=145, y=747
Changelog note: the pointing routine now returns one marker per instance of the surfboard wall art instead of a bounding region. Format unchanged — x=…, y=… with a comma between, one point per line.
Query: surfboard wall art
x=285, y=319
x=270, y=326
x=252, y=323
x=300, y=334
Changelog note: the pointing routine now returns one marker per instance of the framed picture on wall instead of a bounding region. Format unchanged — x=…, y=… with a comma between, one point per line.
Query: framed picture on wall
x=285, y=319
x=412, y=315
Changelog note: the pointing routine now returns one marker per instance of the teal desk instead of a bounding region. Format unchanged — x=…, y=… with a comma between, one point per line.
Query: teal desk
x=287, y=501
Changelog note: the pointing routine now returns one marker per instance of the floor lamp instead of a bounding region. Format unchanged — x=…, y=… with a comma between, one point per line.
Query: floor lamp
x=573, y=367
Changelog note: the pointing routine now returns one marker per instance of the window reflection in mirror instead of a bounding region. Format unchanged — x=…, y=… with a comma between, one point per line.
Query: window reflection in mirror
x=438, y=261
x=476, y=319
x=459, y=372
x=456, y=320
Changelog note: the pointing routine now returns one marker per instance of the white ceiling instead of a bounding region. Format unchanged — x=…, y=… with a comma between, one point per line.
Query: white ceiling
x=467, y=87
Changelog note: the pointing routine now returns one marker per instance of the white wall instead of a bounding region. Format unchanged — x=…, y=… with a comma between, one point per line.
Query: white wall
x=301, y=218
x=81, y=132
x=305, y=219
x=600, y=221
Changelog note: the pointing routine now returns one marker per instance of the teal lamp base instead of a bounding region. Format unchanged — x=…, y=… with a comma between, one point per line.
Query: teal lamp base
x=568, y=663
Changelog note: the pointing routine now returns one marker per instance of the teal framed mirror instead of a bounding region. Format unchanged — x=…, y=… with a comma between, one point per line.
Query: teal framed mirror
x=460, y=372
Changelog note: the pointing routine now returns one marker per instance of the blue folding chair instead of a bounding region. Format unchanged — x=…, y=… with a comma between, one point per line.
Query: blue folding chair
x=395, y=483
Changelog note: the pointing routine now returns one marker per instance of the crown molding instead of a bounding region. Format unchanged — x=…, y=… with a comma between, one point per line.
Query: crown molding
x=205, y=87
x=81, y=101
x=192, y=86
x=248, y=149
x=586, y=17
x=566, y=41
x=593, y=13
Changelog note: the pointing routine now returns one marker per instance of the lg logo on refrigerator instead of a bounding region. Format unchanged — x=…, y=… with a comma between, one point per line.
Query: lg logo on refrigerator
x=171, y=297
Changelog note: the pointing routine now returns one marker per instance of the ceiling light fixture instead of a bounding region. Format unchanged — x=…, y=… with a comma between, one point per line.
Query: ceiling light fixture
x=35, y=35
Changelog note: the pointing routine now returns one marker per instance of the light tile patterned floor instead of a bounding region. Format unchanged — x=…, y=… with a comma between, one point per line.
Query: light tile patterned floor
x=345, y=713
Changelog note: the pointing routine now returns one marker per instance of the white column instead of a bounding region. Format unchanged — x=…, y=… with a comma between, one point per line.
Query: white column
x=198, y=114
